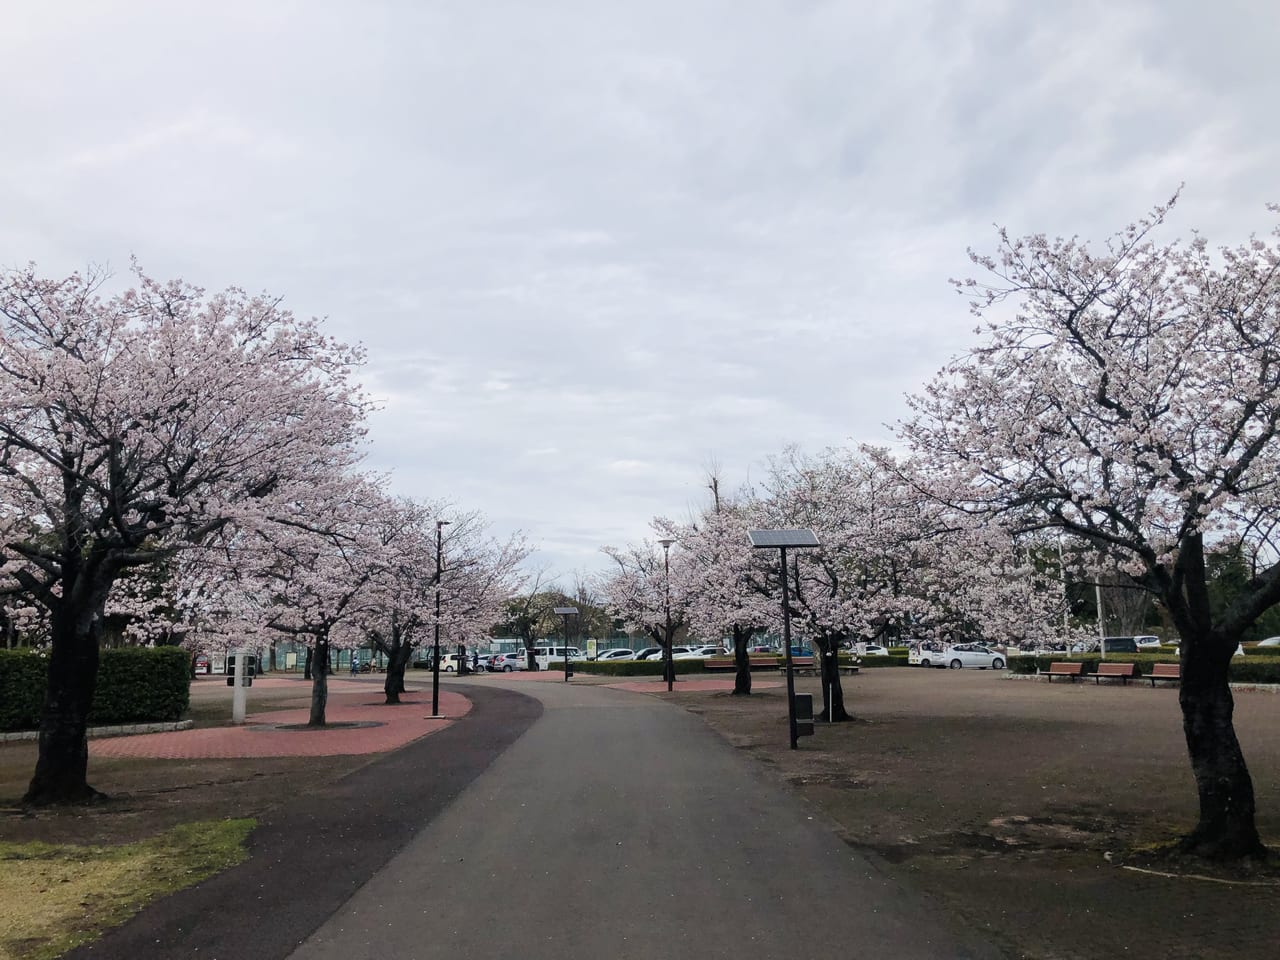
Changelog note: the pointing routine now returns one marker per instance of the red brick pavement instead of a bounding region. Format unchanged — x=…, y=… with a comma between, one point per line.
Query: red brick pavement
x=259, y=738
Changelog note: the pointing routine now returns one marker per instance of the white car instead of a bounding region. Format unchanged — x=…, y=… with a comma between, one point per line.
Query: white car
x=697, y=653
x=871, y=650
x=1270, y=642
x=960, y=655
x=926, y=653
x=1147, y=643
x=618, y=654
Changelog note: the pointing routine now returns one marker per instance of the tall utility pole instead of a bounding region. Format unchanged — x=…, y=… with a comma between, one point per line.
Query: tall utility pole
x=668, y=667
x=435, y=654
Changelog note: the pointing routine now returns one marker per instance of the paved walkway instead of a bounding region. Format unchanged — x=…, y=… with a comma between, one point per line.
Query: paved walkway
x=618, y=827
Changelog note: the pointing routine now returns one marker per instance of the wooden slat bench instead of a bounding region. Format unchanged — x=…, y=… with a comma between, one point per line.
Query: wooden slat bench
x=1165, y=671
x=1124, y=672
x=798, y=665
x=765, y=662
x=1061, y=669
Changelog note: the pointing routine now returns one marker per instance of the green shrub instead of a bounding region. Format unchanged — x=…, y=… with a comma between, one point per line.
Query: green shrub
x=1255, y=670
x=1262, y=651
x=628, y=668
x=135, y=685
x=142, y=685
x=883, y=661
x=23, y=675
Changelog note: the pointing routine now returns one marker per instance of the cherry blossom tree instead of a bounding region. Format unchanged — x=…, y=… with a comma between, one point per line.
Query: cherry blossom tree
x=312, y=570
x=133, y=424
x=1130, y=396
x=893, y=563
x=650, y=587
x=728, y=580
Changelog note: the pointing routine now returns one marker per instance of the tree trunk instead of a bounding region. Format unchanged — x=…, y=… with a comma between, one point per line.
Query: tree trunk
x=62, y=766
x=741, y=662
x=397, y=662
x=319, y=684
x=1226, y=829
x=306, y=666
x=833, y=710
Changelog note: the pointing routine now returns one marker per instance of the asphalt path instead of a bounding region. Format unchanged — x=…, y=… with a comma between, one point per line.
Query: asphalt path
x=619, y=826
x=309, y=856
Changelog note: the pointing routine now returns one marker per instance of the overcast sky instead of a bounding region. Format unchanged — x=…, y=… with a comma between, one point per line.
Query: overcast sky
x=593, y=248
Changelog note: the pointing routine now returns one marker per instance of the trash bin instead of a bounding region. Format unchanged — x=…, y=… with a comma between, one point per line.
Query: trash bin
x=804, y=714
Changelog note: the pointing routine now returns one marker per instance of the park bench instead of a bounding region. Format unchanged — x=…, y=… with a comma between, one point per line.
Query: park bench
x=1112, y=671
x=1060, y=669
x=799, y=665
x=809, y=666
x=764, y=662
x=1165, y=671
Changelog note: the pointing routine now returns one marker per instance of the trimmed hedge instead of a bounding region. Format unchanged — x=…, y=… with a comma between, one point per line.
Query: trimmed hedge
x=1262, y=651
x=626, y=668
x=23, y=675
x=135, y=685
x=882, y=661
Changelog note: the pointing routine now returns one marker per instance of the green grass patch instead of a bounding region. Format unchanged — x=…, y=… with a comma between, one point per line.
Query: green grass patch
x=58, y=896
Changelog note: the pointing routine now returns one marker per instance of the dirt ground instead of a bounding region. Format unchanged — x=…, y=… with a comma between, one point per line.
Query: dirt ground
x=148, y=796
x=1013, y=803
x=1017, y=805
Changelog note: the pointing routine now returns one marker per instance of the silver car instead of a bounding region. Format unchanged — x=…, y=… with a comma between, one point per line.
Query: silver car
x=508, y=662
x=961, y=655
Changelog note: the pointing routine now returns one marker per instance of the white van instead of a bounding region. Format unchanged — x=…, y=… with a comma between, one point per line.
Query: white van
x=545, y=655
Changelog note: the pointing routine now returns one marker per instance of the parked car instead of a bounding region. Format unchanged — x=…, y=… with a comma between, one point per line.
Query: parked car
x=648, y=653
x=960, y=655
x=1119, y=645
x=619, y=653
x=508, y=662
x=697, y=653
x=872, y=650
x=203, y=665
x=1270, y=642
x=1147, y=642
x=925, y=653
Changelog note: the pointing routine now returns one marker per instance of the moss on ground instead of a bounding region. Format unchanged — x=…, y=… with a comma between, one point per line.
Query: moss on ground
x=57, y=896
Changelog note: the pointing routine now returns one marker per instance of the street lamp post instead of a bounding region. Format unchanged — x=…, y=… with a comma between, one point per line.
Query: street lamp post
x=668, y=667
x=566, y=612
x=435, y=654
x=781, y=540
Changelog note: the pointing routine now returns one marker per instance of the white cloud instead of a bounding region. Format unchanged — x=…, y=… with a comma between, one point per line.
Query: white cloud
x=592, y=247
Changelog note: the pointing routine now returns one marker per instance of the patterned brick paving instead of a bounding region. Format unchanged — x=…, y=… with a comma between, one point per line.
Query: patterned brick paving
x=259, y=738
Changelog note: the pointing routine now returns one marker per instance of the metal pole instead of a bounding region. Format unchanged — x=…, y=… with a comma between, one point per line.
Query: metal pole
x=435, y=654
x=666, y=566
x=566, y=648
x=238, y=692
x=1102, y=630
x=786, y=640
